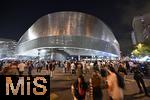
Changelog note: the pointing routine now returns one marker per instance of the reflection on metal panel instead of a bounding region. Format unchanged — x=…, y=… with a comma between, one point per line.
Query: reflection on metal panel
x=69, y=29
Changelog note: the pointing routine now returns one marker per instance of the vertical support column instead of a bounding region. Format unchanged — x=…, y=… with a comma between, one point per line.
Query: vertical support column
x=39, y=54
x=78, y=57
x=52, y=54
x=93, y=57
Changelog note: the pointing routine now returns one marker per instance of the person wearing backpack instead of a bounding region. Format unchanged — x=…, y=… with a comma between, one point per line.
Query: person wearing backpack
x=79, y=88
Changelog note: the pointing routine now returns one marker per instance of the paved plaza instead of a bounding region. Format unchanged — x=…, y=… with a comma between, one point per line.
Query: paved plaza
x=60, y=87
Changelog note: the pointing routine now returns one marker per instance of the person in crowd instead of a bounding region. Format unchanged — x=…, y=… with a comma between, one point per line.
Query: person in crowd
x=65, y=67
x=42, y=65
x=73, y=67
x=79, y=69
x=79, y=88
x=52, y=66
x=88, y=67
x=1, y=65
x=95, y=84
x=30, y=67
x=46, y=64
x=39, y=66
x=84, y=66
x=6, y=67
x=103, y=72
x=127, y=66
x=13, y=68
x=21, y=67
x=122, y=70
x=115, y=84
x=138, y=76
x=96, y=66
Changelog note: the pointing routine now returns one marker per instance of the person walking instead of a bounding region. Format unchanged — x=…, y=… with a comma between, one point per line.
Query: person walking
x=30, y=67
x=73, y=67
x=122, y=70
x=79, y=88
x=115, y=84
x=138, y=76
x=21, y=67
x=52, y=66
x=79, y=70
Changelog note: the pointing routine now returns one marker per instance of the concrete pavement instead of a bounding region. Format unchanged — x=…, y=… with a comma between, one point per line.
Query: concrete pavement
x=60, y=87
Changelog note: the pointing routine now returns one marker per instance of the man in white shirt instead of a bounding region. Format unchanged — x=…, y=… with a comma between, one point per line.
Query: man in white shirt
x=21, y=67
x=72, y=68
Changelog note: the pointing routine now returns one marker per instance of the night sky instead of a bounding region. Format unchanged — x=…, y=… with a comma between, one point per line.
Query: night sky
x=17, y=16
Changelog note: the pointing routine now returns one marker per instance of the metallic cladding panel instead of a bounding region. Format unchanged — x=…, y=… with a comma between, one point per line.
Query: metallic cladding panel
x=69, y=29
x=76, y=42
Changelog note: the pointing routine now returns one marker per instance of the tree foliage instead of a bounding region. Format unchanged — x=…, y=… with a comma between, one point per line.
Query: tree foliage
x=141, y=49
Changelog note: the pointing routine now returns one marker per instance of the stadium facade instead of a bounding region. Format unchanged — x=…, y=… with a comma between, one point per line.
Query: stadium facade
x=141, y=27
x=63, y=34
x=7, y=48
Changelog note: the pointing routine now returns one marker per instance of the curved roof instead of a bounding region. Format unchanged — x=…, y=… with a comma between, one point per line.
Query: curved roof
x=69, y=29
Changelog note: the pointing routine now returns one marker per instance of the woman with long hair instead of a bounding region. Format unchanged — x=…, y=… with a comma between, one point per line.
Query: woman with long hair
x=115, y=84
x=79, y=88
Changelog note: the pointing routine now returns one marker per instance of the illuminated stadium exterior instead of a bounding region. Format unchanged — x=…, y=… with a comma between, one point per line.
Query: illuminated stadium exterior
x=7, y=48
x=69, y=33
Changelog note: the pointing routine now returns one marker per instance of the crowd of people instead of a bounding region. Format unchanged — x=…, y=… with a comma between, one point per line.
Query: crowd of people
x=18, y=67
x=106, y=74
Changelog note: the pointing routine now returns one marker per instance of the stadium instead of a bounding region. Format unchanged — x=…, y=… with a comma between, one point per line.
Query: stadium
x=68, y=34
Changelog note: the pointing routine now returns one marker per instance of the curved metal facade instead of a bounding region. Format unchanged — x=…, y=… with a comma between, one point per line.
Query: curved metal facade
x=70, y=30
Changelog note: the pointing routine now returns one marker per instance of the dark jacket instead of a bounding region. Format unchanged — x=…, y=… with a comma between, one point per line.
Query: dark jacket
x=137, y=73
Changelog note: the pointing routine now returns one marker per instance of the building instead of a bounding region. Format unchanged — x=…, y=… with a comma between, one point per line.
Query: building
x=141, y=27
x=133, y=37
x=65, y=34
x=7, y=48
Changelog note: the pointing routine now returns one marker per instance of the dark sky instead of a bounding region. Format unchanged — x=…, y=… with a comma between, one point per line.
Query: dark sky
x=17, y=16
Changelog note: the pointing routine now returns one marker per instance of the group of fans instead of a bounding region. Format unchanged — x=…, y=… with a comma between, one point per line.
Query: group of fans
x=109, y=75
x=17, y=67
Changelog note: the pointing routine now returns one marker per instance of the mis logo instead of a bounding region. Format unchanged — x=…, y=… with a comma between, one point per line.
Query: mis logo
x=27, y=87
x=32, y=84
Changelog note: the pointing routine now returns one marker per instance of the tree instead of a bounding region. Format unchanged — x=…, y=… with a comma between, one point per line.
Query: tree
x=141, y=50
